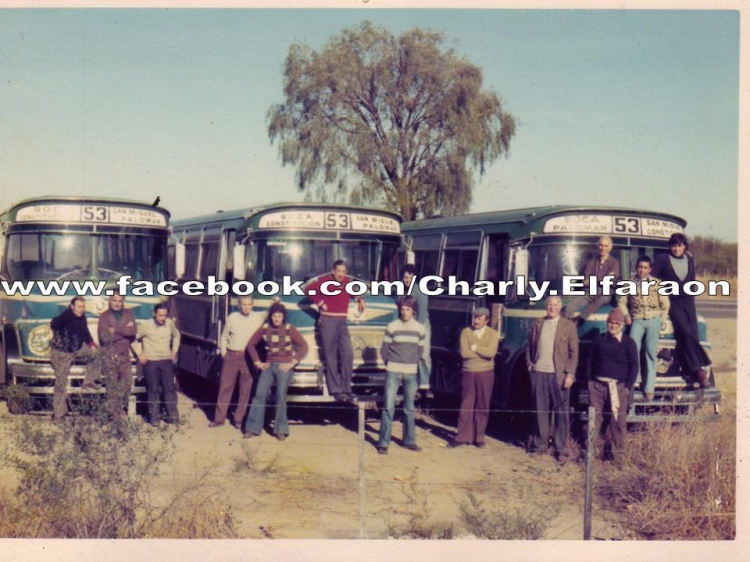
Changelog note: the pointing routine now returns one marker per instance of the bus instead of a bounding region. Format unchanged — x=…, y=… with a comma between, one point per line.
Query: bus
x=264, y=244
x=543, y=244
x=55, y=240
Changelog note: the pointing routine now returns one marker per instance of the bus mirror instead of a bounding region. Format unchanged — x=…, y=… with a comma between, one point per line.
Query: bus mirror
x=179, y=260
x=238, y=258
x=410, y=257
x=497, y=318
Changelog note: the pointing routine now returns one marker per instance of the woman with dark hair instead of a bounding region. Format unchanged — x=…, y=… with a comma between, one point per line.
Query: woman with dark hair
x=280, y=339
x=679, y=267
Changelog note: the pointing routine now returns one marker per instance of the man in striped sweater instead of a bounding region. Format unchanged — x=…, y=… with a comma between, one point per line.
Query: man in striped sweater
x=403, y=345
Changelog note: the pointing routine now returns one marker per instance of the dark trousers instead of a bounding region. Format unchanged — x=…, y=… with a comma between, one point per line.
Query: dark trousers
x=689, y=351
x=339, y=357
x=552, y=405
x=235, y=364
x=611, y=431
x=118, y=378
x=159, y=377
x=476, y=391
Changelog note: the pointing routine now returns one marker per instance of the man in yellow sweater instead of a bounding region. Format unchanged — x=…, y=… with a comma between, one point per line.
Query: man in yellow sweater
x=478, y=349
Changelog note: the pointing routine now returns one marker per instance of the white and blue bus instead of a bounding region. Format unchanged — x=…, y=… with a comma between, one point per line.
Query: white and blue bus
x=265, y=244
x=543, y=244
x=48, y=244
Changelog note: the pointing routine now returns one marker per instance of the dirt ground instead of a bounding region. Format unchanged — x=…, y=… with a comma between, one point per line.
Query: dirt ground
x=325, y=482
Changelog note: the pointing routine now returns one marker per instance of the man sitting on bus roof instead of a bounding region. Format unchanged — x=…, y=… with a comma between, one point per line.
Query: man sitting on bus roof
x=599, y=267
x=334, y=332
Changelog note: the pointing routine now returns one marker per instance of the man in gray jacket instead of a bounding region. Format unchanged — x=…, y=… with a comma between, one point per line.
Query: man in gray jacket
x=552, y=358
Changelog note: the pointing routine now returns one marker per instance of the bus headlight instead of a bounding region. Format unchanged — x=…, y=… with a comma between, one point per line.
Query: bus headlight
x=38, y=340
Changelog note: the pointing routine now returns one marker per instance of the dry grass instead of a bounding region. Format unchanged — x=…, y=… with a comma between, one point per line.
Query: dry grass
x=678, y=482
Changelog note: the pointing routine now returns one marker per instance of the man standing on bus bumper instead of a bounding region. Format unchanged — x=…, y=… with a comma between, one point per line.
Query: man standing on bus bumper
x=334, y=332
x=70, y=332
x=156, y=344
x=239, y=329
x=613, y=366
x=478, y=349
x=117, y=330
x=552, y=358
x=647, y=317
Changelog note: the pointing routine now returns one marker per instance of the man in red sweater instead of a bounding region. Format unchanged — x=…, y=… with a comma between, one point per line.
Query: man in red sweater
x=334, y=332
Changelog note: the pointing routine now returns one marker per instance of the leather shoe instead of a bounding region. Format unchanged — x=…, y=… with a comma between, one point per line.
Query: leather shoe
x=341, y=397
x=702, y=377
x=215, y=424
x=382, y=450
x=481, y=445
x=280, y=436
x=415, y=447
x=454, y=444
x=249, y=435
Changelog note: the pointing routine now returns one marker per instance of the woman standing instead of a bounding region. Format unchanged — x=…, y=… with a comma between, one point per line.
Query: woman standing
x=679, y=267
x=281, y=358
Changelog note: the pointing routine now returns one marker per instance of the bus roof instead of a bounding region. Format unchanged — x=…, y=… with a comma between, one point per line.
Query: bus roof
x=51, y=199
x=248, y=213
x=526, y=216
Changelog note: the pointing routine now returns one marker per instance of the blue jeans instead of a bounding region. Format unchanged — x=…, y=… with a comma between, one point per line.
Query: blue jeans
x=255, y=419
x=392, y=383
x=650, y=330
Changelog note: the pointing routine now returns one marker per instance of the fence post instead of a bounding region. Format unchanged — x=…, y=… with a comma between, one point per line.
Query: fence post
x=362, y=503
x=589, y=473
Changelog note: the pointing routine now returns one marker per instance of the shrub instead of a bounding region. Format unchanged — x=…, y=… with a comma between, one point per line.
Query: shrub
x=528, y=522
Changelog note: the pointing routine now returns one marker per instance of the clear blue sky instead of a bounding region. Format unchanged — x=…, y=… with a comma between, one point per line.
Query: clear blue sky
x=629, y=108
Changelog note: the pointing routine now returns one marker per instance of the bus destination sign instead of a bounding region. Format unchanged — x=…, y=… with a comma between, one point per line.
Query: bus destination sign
x=91, y=214
x=330, y=220
x=618, y=225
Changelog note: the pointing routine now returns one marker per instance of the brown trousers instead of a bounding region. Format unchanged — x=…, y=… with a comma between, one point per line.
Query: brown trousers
x=476, y=391
x=118, y=378
x=234, y=364
x=61, y=362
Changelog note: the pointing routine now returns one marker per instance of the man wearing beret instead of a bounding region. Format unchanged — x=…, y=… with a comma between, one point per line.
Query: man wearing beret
x=478, y=349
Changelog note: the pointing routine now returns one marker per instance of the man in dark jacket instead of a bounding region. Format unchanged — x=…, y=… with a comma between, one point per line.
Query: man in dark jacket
x=612, y=369
x=552, y=358
x=70, y=332
x=117, y=330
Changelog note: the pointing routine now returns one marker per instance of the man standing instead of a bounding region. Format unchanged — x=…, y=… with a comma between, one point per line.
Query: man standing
x=334, y=332
x=239, y=329
x=612, y=368
x=552, y=358
x=156, y=344
x=117, y=330
x=647, y=317
x=478, y=349
x=70, y=332
x=403, y=346
x=423, y=317
x=601, y=267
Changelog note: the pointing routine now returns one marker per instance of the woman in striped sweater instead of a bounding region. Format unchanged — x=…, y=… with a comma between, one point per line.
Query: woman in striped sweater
x=285, y=347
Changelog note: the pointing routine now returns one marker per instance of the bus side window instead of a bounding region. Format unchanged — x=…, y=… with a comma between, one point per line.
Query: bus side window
x=426, y=250
x=191, y=260
x=461, y=255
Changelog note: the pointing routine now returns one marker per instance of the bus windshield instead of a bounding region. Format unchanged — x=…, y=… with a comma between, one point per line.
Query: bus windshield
x=47, y=256
x=369, y=260
x=549, y=262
